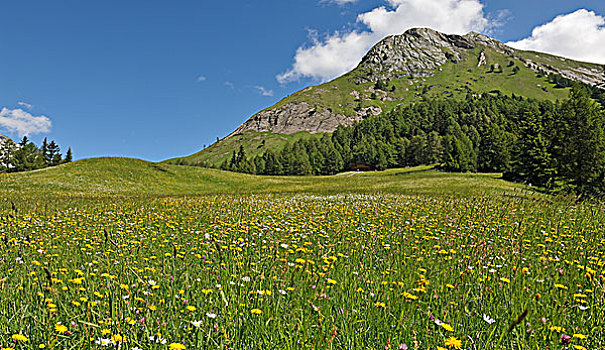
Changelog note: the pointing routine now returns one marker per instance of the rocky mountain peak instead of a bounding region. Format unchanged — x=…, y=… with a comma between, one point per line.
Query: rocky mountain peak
x=418, y=52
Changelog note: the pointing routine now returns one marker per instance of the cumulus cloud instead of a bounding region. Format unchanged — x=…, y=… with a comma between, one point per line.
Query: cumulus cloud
x=340, y=52
x=579, y=35
x=263, y=91
x=201, y=78
x=229, y=84
x=22, y=123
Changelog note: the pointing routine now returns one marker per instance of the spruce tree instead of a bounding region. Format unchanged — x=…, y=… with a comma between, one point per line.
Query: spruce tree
x=68, y=156
x=580, y=142
x=47, y=157
x=52, y=155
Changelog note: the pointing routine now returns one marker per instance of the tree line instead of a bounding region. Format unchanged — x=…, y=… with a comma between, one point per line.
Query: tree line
x=25, y=155
x=556, y=146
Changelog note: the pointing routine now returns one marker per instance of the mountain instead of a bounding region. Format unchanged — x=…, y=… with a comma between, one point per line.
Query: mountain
x=420, y=64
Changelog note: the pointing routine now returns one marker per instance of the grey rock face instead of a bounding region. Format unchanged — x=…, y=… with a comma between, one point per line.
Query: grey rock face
x=482, y=60
x=295, y=117
x=585, y=75
x=417, y=52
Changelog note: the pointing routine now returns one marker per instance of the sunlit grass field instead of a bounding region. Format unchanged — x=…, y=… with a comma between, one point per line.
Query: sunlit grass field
x=127, y=254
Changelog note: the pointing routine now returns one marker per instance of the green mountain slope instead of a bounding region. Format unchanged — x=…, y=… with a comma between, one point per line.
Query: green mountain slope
x=418, y=65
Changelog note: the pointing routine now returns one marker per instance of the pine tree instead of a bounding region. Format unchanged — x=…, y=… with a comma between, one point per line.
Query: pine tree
x=534, y=163
x=333, y=162
x=580, y=144
x=495, y=149
x=272, y=163
x=300, y=160
x=232, y=166
x=417, y=149
x=53, y=155
x=434, y=148
x=27, y=157
x=24, y=141
x=259, y=165
x=68, y=156
x=47, y=157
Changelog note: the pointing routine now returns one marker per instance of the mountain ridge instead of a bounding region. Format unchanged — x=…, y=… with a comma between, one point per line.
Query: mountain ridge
x=419, y=64
x=418, y=52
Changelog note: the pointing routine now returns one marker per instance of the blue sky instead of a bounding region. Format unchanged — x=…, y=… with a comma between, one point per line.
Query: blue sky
x=158, y=79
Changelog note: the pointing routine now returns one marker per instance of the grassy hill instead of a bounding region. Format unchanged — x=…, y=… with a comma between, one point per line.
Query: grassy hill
x=111, y=177
x=256, y=143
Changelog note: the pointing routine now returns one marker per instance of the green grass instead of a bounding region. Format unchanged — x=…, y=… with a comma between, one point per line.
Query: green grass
x=102, y=177
x=128, y=252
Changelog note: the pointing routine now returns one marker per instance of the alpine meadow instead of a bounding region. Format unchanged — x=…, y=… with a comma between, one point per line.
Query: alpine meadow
x=445, y=193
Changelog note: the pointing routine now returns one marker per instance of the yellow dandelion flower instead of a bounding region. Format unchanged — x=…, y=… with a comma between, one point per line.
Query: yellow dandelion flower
x=453, y=342
x=176, y=346
x=557, y=329
x=60, y=328
x=256, y=311
x=20, y=337
x=447, y=327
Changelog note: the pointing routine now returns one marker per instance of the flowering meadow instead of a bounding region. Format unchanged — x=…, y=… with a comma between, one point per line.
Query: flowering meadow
x=303, y=272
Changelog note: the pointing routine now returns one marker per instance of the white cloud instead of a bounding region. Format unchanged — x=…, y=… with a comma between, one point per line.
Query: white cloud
x=449, y=16
x=229, y=85
x=22, y=123
x=25, y=104
x=201, y=78
x=579, y=35
x=263, y=91
x=342, y=51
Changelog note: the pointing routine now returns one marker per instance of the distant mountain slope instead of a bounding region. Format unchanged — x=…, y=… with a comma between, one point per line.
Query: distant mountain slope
x=402, y=69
